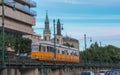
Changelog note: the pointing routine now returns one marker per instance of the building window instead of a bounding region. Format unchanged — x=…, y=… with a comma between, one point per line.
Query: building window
x=45, y=38
x=49, y=38
x=57, y=40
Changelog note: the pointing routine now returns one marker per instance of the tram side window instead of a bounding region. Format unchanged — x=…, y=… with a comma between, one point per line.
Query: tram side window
x=63, y=52
x=72, y=53
x=67, y=53
x=43, y=49
x=51, y=49
x=48, y=49
x=39, y=47
x=35, y=47
x=58, y=51
x=75, y=54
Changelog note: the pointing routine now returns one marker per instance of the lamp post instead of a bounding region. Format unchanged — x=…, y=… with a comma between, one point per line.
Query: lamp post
x=86, y=46
x=3, y=40
x=85, y=41
x=54, y=41
x=3, y=65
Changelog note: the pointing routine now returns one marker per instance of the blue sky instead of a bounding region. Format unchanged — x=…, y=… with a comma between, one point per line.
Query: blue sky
x=99, y=19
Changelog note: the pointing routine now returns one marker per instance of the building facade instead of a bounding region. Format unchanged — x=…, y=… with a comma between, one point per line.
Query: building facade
x=34, y=37
x=71, y=42
x=59, y=36
x=18, y=21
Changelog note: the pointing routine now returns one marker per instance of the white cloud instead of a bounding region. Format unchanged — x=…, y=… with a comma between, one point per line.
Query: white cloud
x=98, y=30
x=96, y=33
x=92, y=29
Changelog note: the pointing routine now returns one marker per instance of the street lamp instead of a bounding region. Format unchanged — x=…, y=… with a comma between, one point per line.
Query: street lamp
x=85, y=40
x=3, y=40
x=86, y=46
x=54, y=40
x=3, y=35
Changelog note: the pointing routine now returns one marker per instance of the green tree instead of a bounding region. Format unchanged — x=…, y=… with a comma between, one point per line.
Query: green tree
x=67, y=44
x=109, y=54
x=17, y=43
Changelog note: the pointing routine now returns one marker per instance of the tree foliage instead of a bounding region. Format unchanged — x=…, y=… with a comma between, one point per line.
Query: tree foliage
x=110, y=54
x=67, y=44
x=23, y=45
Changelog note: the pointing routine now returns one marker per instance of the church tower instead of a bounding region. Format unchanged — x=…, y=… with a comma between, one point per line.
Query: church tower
x=58, y=27
x=59, y=37
x=46, y=32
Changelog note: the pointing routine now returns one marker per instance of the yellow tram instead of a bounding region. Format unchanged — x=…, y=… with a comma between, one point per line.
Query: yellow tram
x=44, y=50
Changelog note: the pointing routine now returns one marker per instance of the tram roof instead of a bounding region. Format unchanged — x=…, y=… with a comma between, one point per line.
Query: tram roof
x=57, y=45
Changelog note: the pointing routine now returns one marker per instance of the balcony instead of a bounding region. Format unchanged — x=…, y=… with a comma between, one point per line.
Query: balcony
x=23, y=8
x=27, y=2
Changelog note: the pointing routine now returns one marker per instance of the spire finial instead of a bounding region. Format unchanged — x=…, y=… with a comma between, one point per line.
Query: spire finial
x=46, y=12
x=46, y=16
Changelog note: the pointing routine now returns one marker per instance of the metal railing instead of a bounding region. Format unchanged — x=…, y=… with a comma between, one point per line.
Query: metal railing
x=20, y=7
x=29, y=2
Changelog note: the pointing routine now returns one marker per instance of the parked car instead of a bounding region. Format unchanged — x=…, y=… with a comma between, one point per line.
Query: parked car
x=114, y=72
x=107, y=72
x=87, y=73
x=102, y=72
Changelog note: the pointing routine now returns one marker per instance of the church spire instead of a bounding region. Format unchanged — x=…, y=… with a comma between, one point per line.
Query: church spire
x=46, y=19
x=58, y=27
x=46, y=31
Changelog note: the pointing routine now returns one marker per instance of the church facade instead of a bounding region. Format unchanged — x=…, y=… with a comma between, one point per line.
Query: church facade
x=59, y=38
